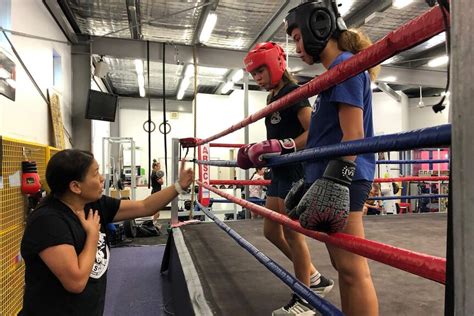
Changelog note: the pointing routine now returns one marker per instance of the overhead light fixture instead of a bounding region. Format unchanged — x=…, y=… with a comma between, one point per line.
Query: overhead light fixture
x=400, y=4
x=344, y=6
x=238, y=75
x=389, y=79
x=140, y=76
x=208, y=27
x=227, y=87
x=389, y=61
x=438, y=61
x=188, y=73
x=435, y=40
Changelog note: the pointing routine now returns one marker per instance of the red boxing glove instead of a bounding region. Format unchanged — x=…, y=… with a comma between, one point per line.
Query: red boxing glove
x=270, y=148
x=243, y=160
x=30, y=182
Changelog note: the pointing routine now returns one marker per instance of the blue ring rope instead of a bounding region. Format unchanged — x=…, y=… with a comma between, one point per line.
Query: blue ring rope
x=302, y=290
x=427, y=137
x=420, y=138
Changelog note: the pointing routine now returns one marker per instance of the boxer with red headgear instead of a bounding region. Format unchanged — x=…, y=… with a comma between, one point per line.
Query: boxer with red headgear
x=286, y=132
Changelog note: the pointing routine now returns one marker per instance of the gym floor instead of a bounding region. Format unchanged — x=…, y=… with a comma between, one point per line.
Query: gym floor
x=235, y=283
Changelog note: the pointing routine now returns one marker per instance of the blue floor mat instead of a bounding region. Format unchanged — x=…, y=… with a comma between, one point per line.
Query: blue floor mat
x=134, y=284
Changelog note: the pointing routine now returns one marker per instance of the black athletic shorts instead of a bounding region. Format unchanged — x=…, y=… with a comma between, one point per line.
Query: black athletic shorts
x=283, y=179
x=359, y=192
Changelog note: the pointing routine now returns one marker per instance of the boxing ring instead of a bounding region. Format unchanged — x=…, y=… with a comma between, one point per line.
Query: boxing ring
x=213, y=274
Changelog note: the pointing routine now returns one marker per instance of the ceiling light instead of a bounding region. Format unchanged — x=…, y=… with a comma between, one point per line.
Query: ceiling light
x=438, y=61
x=208, y=27
x=389, y=79
x=389, y=61
x=4, y=74
x=140, y=77
x=399, y=4
x=189, y=71
x=238, y=75
x=182, y=88
x=227, y=87
x=344, y=6
x=435, y=40
x=138, y=66
x=445, y=94
x=12, y=83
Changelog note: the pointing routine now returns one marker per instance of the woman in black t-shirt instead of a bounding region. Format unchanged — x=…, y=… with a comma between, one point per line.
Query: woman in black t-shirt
x=65, y=243
x=286, y=132
x=156, y=180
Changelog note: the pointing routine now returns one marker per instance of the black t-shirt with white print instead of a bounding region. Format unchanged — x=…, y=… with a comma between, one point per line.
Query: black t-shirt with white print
x=285, y=124
x=55, y=224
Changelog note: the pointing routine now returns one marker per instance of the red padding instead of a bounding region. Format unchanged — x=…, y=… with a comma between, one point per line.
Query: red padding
x=411, y=179
x=226, y=145
x=240, y=182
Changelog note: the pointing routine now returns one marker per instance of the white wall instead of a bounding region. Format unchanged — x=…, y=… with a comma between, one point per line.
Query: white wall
x=425, y=117
x=390, y=116
x=27, y=118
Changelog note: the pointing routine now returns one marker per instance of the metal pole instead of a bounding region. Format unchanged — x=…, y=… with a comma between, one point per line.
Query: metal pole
x=134, y=171
x=462, y=152
x=246, y=133
x=174, y=176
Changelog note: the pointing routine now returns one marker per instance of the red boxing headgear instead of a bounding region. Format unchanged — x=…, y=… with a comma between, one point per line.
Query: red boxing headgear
x=267, y=54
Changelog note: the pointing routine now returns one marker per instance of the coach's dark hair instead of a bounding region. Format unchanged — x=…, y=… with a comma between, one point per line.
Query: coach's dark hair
x=63, y=167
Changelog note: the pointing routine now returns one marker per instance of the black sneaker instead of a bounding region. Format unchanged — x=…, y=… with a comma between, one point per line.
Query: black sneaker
x=296, y=306
x=323, y=287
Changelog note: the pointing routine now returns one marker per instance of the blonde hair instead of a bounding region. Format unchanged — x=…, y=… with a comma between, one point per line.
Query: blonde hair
x=355, y=41
x=288, y=77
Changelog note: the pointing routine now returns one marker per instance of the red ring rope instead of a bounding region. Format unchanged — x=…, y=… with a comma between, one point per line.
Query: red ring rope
x=429, y=267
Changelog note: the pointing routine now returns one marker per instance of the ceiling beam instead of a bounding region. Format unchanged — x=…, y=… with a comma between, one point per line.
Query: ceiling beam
x=389, y=91
x=232, y=59
x=134, y=23
x=172, y=105
x=423, y=57
x=414, y=77
x=275, y=22
x=356, y=19
x=64, y=24
x=207, y=56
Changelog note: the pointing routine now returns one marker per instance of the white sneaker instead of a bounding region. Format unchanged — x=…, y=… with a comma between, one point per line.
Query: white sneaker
x=296, y=306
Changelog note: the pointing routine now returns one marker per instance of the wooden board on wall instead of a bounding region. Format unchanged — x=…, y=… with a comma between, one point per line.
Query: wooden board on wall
x=57, y=120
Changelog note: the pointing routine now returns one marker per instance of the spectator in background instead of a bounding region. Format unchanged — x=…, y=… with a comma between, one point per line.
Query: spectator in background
x=373, y=207
x=257, y=191
x=157, y=176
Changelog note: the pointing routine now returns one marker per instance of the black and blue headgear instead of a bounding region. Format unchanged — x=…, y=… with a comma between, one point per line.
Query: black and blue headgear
x=318, y=21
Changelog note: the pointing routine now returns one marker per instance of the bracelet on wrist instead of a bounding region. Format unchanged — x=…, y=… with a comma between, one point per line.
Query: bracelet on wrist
x=178, y=187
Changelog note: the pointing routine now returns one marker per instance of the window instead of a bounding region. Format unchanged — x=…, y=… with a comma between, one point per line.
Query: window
x=57, y=71
x=5, y=20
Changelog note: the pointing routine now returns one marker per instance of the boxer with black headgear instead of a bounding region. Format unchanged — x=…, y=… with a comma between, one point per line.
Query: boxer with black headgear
x=331, y=197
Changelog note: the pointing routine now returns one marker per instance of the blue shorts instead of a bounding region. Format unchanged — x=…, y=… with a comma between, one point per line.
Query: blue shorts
x=359, y=192
x=283, y=180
